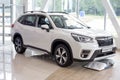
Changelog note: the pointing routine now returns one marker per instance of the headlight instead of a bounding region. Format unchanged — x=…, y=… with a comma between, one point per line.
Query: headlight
x=82, y=38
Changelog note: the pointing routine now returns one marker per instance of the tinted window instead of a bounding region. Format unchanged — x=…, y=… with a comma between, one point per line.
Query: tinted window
x=58, y=21
x=21, y=19
x=42, y=20
x=28, y=20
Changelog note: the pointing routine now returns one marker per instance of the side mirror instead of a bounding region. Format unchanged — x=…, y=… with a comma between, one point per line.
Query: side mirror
x=89, y=27
x=45, y=27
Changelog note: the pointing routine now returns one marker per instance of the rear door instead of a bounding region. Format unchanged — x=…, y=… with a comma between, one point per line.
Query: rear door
x=27, y=29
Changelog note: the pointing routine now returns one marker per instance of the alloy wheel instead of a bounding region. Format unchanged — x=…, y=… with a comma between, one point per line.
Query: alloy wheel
x=61, y=55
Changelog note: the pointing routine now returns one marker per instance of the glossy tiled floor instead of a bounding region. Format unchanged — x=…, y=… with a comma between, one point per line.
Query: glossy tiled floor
x=15, y=66
x=23, y=67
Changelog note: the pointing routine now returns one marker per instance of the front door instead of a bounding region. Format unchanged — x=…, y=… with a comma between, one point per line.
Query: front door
x=43, y=36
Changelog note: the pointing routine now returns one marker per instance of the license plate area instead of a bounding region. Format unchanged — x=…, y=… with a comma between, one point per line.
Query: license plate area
x=106, y=49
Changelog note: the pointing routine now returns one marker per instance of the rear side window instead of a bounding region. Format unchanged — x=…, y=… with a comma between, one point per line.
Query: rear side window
x=29, y=20
x=21, y=19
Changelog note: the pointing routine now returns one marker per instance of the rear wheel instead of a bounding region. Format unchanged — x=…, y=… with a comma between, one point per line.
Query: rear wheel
x=62, y=56
x=18, y=43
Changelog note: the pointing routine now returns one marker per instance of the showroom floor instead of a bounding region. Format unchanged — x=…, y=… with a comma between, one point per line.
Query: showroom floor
x=30, y=66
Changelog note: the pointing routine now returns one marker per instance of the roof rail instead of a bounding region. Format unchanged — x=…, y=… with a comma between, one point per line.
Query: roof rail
x=57, y=12
x=34, y=11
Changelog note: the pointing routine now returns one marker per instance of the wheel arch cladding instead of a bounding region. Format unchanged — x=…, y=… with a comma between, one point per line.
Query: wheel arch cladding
x=60, y=41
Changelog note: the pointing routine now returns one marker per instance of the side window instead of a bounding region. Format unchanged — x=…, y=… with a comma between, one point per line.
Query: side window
x=58, y=21
x=42, y=20
x=29, y=20
x=21, y=19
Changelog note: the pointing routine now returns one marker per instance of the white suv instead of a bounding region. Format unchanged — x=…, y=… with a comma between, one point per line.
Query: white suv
x=62, y=36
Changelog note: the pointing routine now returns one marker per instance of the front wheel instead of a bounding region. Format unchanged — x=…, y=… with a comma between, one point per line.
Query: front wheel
x=62, y=56
x=18, y=43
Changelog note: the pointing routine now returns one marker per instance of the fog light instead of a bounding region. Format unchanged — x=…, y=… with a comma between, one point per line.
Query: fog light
x=85, y=53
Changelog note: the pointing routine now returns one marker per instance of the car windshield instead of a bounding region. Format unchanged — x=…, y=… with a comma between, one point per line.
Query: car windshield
x=67, y=22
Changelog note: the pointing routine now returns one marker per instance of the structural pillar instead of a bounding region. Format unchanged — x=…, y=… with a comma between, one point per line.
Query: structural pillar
x=111, y=13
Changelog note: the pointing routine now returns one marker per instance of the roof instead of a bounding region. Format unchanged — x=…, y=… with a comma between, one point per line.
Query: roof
x=49, y=13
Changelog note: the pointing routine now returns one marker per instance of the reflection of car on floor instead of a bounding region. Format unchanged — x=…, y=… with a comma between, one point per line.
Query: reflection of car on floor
x=62, y=36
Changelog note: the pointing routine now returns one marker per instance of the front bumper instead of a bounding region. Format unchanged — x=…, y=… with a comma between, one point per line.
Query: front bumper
x=98, y=55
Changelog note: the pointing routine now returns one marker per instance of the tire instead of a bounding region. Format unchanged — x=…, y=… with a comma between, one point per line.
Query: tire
x=18, y=44
x=62, y=56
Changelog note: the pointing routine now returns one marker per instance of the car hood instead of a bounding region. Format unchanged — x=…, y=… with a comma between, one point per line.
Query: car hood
x=89, y=32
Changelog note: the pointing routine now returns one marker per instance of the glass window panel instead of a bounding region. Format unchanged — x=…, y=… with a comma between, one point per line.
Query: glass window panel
x=38, y=4
x=1, y=75
x=1, y=15
x=92, y=13
x=19, y=2
x=6, y=2
x=116, y=6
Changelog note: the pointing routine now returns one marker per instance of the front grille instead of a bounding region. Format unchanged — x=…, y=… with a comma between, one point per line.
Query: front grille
x=104, y=41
